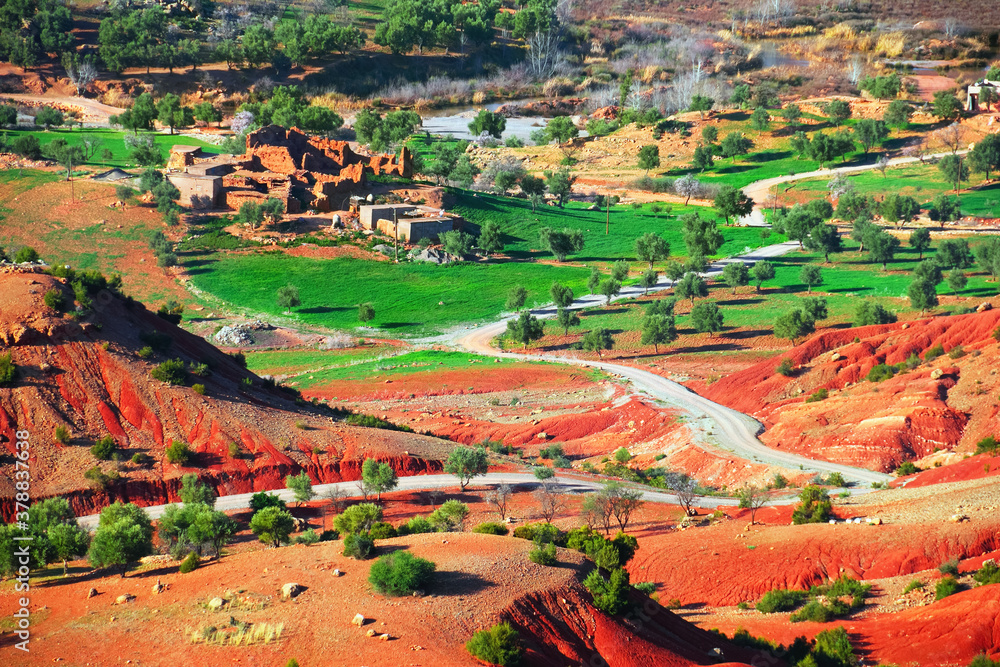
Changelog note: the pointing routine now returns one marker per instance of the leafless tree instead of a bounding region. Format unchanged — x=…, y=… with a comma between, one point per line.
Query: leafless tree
x=684, y=488
x=624, y=502
x=687, y=186
x=82, y=74
x=950, y=136
x=543, y=53
x=839, y=186
x=855, y=69
x=752, y=498
x=882, y=164
x=499, y=498
x=337, y=498
x=952, y=28
x=597, y=511
x=550, y=501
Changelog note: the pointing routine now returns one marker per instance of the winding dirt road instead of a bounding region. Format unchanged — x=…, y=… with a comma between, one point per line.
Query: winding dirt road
x=733, y=431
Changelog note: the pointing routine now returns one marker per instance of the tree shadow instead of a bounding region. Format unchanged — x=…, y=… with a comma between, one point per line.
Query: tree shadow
x=454, y=583
x=398, y=325
x=751, y=333
x=319, y=310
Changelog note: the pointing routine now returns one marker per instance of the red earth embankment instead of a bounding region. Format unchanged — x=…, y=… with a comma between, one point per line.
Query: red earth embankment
x=87, y=376
x=946, y=403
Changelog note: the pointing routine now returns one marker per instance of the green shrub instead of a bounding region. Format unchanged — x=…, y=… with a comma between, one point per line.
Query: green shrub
x=933, y=352
x=178, y=453
x=171, y=371
x=141, y=459
x=158, y=341
x=198, y=389
x=906, y=468
x=62, y=435
x=369, y=421
x=145, y=352
x=263, y=499
x=836, y=479
x=779, y=481
x=26, y=254
x=8, y=371
x=99, y=478
x=648, y=588
x=949, y=567
x=785, y=368
x=201, y=370
x=497, y=646
x=989, y=573
x=491, y=528
x=880, y=372
x=913, y=585
x=780, y=600
x=982, y=660
x=833, y=649
x=814, y=506
x=358, y=546
x=818, y=395
x=400, y=573
x=292, y=662
x=956, y=352
x=104, y=448
x=551, y=452
x=417, y=525
x=55, y=300
x=543, y=555
x=382, y=531
x=987, y=445
x=329, y=536
x=946, y=586
x=814, y=611
x=190, y=563
x=611, y=594
x=308, y=537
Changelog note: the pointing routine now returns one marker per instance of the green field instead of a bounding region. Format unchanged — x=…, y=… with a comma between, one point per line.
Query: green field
x=846, y=279
x=408, y=298
x=521, y=226
x=424, y=361
x=114, y=140
x=294, y=362
x=923, y=182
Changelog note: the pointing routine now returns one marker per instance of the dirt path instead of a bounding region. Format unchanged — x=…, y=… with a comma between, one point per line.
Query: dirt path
x=716, y=425
x=760, y=191
x=93, y=112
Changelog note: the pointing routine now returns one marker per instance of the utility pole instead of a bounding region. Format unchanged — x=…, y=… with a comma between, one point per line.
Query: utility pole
x=607, y=224
x=395, y=233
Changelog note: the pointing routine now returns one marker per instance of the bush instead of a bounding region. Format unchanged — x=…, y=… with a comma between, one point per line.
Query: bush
x=158, y=341
x=913, y=585
x=400, y=573
x=779, y=481
x=178, y=453
x=491, y=528
x=416, y=525
x=814, y=506
x=946, y=586
x=190, y=563
x=648, y=588
x=308, y=537
x=989, y=573
x=198, y=389
x=329, y=536
x=949, y=567
x=780, y=600
x=814, y=611
x=497, y=646
x=141, y=459
x=8, y=371
x=983, y=660
x=358, y=546
x=818, y=395
x=55, y=300
x=125, y=192
x=171, y=371
x=880, y=372
x=987, y=445
x=104, y=448
x=543, y=555
x=836, y=479
x=382, y=531
x=933, y=352
x=62, y=435
x=785, y=367
x=611, y=594
x=906, y=468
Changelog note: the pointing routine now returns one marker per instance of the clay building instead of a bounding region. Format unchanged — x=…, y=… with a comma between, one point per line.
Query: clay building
x=411, y=222
x=972, y=101
x=288, y=165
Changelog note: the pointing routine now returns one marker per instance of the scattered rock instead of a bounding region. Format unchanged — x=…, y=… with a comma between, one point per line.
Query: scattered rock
x=358, y=620
x=370, y=633
x=216, y=604
x=291, y=590
x=124, y=599
x=338, y=573
x=984, y=306
x=835, y=357
x=958, y=518
x=384, y=637
x=158, y=587
x=936, y=373
x=91, y=593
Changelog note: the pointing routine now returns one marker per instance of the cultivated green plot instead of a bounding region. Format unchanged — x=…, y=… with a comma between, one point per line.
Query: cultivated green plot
x=284, y=362
x=521, y=227
x=113, y=140
x=425, y=361
x=409, y=299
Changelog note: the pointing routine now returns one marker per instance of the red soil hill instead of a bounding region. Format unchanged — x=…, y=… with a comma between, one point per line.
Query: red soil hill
x=943, y=404
x=86, y=375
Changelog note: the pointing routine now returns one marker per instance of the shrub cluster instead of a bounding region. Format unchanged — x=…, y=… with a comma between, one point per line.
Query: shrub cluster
x=400, y=573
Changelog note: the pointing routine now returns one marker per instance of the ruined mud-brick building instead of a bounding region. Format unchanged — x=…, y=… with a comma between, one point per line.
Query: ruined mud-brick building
x=288, y=165
x=408, y=222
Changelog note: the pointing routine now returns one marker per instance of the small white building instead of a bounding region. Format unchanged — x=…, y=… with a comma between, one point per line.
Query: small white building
x=408, y=222
x=972, y=103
